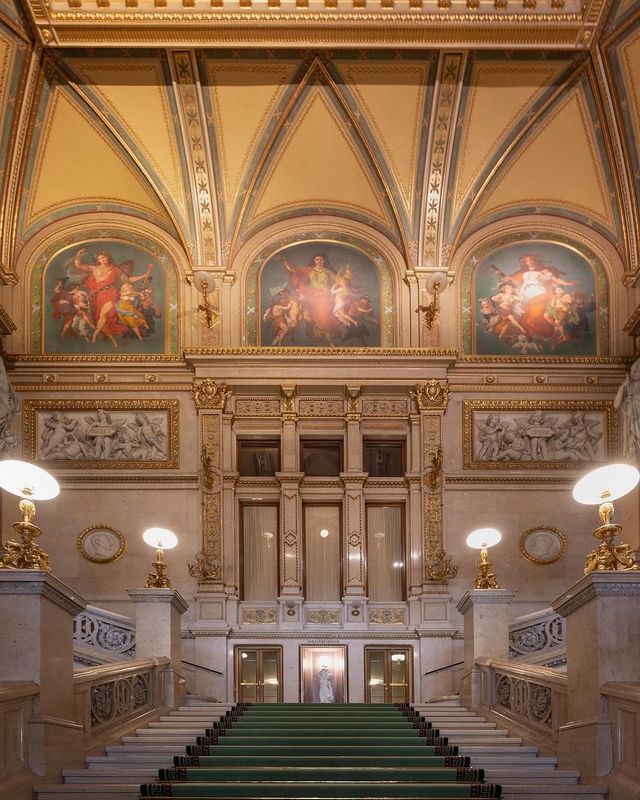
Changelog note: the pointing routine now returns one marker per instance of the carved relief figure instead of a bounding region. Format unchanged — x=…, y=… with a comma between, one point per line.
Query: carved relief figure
x=627, y=403
x=539, y=436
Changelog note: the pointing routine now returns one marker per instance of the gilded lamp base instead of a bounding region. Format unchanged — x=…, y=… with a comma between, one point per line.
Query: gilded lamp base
x=486, y=579
x=158, y=579
x=25, y=554
x=609, y=556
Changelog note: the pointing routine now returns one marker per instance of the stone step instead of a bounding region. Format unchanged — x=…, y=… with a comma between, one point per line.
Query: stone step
x=553, y=792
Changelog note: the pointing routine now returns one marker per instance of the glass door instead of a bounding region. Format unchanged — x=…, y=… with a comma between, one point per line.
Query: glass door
x=388, y=674
x=258, y=674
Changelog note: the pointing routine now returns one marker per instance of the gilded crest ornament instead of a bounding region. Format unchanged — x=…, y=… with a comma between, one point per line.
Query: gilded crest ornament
x=203, y=569
x=432, y=395
x=209, y=394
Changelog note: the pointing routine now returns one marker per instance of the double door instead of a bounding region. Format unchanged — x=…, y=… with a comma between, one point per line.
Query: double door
x=259, y=674
x=388, y=674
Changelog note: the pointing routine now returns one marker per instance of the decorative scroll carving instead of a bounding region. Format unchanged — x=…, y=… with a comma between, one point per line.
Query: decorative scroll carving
x=321, y=407
x=100, y=631
x=208, y=564
x=288, y=405
x=537, y=638
x=256, y=407
x=209, y=394
x=259, y=616
x=323, y=616
x=525, y=699
x=432, y=395
x=385, y=407
x=120, y=697
x=386, y=616
x=354, y=394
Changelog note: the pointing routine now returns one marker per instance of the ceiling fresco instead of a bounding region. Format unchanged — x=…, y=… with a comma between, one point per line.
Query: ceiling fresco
x=426, y=147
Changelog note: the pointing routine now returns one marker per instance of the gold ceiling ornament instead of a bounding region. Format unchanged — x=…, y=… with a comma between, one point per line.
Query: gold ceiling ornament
x=601, y=487
x=203, y=569
x=432, y=395
x=207, y=393
x=436, y=284
x=482, y=539
x=29, y=483
x=162, y=539
x=205, y=284
x=441, y=569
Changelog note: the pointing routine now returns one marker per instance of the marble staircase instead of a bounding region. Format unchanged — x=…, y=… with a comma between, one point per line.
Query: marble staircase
x=136, y=759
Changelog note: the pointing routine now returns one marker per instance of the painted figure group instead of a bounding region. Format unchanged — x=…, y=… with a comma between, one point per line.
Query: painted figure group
x=100, y=300
x=535, y=309
x=102, y=437
x=329, y=303
x=538, y=437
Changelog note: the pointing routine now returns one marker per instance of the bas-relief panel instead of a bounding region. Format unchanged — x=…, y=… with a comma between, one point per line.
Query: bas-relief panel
x=538, y=434
x=91, y=434
x=104, y=296
x=532, y=297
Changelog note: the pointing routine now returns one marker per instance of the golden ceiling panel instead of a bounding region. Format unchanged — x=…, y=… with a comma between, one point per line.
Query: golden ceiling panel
x=392, y=99
x=317, y=166
x=500, y=94
x=630, y=57
x=7, y=54
x=134, y=93
x=244, y=96
x=77, y=163
x=558, y=164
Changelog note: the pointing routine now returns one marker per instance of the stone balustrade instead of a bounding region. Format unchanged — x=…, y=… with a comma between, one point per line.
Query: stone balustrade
x=538, y=638
x=534, y=697
x=623, y=711
x=16, y=710
x=100, y=637
x=111, y=696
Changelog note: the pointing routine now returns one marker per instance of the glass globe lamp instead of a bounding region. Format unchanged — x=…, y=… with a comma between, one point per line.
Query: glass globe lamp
x=162, y=539
x=482, y=539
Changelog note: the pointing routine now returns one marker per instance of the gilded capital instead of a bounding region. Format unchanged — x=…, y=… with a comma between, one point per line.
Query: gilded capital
x=209, y=394
x=432, y=395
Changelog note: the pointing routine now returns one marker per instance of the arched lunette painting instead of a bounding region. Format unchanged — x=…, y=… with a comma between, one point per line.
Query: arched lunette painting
x=319, y=294
x=104, y=296
x=531, y=298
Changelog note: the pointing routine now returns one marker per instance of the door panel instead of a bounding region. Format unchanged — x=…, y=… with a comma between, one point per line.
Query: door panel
x=388, y=674
x=258, y=674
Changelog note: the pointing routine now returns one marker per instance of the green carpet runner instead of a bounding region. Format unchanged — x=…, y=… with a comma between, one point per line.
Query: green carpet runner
x=329, y=752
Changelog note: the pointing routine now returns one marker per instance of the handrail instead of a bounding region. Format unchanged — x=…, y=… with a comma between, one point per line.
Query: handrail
x=199, y=666
x=442, y=669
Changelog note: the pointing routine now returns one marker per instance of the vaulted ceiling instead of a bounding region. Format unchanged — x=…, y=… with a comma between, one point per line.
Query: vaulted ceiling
x=467, y=123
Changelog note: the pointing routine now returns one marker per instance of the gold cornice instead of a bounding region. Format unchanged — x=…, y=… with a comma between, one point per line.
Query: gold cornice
x=520, y=388
x=529, y=480
x=100, y=388
x=545, y=360
x=31, y=358
x=213, y=27
x=177, y=479
x=7, y=325
x=330, y=352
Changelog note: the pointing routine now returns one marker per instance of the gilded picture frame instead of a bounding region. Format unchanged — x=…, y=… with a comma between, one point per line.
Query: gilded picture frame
x=102, y=434
x=101, y=544
x=543, y=544
x=538, y=434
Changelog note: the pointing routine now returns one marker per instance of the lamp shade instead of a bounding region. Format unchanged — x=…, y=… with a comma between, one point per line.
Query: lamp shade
x=200, y=277
x=483, y=537
x=436, y=277
x=160, y=538
x=27, y=480
x=606, y=483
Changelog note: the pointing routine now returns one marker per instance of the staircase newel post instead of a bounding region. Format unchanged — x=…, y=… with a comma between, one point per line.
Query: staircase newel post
x=158, y=633
x=486, y=635
x=36, y=620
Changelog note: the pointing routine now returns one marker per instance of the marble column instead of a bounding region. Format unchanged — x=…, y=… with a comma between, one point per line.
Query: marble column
x=36, y=620
x=486, y=635
x=602, y=612
x=158, y=632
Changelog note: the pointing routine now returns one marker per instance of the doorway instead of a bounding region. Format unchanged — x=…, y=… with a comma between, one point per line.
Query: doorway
x=388, y=674
x=258, y=674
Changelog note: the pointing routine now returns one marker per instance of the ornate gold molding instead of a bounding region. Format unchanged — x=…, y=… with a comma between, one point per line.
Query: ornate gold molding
x=208, y=394
x=432, y=395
